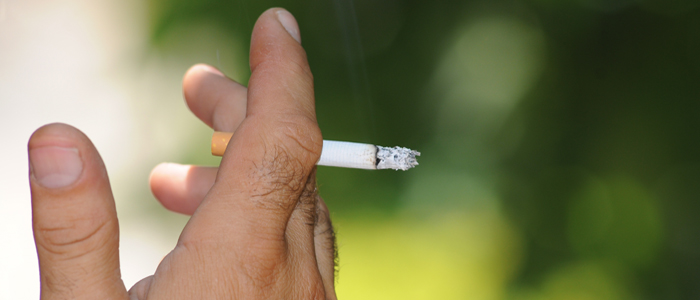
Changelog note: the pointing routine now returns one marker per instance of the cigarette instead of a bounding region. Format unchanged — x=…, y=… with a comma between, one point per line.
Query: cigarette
x=345, y=154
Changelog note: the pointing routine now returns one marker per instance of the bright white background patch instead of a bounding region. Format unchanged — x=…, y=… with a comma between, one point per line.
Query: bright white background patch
x=86, y=63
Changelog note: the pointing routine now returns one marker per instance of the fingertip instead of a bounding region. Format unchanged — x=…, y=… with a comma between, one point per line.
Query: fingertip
x=193, y=88
x=56, y=134
x=281, y=83
x=195, y=74
x=63, y=162
x=217, y=100
x=166, y=176
x=155, y=181
x=62, y=158
x=181, y=188
x=166, y=181
x=289, y=23
x=285, y=18
x=276, y=36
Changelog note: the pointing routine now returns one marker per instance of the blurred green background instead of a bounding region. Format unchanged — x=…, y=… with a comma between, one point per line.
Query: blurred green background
x=558, y=157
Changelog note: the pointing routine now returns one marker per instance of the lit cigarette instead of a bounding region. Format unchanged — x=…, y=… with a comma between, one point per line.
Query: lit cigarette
x=345, y=154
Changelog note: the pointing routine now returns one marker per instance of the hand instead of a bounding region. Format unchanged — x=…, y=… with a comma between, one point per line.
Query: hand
x=258, y=229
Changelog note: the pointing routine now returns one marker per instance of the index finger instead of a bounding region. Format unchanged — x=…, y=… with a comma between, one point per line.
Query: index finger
x=274, y=150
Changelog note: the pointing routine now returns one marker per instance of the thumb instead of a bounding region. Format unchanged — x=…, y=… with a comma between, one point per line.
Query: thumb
x=74, y=218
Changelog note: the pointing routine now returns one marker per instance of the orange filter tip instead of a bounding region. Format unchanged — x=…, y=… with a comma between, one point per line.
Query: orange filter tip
x=219, y=141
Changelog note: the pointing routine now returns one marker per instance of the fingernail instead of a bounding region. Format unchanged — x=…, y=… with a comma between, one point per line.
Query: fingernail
x=212, y=70
x=55, y=167
x=289, y=23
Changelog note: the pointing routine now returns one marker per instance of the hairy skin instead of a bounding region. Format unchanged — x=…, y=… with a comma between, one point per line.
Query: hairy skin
x=259, y=229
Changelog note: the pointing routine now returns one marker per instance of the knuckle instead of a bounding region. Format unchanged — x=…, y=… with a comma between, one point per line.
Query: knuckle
x=282, y=177
x=288, y=162
x=73, y=239
x=301, y=138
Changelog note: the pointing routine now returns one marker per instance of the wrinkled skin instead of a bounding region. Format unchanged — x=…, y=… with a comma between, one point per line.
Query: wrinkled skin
x=258, y=228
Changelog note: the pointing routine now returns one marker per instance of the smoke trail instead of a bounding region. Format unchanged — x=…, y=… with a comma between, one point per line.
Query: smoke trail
x=357, y=69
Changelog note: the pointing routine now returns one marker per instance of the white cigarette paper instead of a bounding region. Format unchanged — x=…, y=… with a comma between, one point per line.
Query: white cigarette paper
x=346, y=154
x=366, y=156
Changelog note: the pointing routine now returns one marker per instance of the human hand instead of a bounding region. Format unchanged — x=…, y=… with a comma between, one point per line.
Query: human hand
x=258, y=228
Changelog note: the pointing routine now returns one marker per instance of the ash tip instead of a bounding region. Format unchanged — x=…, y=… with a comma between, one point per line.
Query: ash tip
x=397, y=158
